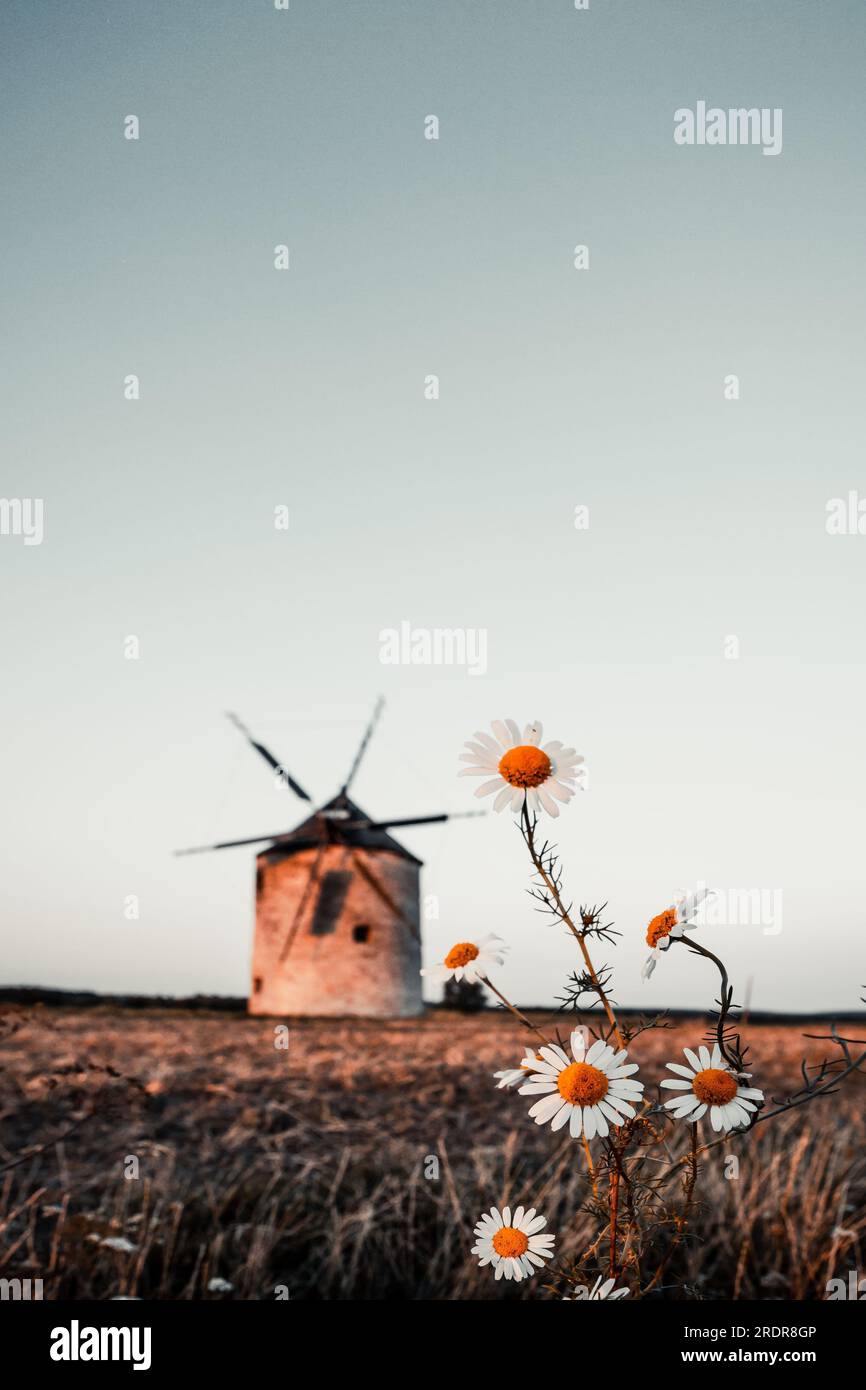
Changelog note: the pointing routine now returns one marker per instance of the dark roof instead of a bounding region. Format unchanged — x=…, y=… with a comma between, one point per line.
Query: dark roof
x=336, y=830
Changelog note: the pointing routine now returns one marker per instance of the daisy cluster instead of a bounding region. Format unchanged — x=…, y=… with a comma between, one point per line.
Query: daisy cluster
x=590, y=1089
x=596, y=1088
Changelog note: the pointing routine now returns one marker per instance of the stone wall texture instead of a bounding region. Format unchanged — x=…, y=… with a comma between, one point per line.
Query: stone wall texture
x=351, y=954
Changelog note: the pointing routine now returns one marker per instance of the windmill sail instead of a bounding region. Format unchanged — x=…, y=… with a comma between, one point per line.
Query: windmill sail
x=368, y=734
x=280, y=768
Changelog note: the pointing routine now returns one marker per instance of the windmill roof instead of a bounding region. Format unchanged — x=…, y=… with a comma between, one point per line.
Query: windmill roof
x=338, y=830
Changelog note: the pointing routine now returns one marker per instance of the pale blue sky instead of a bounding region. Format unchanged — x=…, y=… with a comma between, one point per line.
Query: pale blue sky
x=558, y=387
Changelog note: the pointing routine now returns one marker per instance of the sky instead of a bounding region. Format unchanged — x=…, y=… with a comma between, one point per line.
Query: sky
x=736, y=764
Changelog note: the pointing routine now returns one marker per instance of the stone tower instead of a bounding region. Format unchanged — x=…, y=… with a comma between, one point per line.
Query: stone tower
x=337, y=920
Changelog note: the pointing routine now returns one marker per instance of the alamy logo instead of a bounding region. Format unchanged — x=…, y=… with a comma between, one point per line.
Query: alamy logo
x=736, y=126
x=434, y=646
x=846, y=516
x=77, y=1343
x=854, y=1289
x=742, y=907
x=22, y=516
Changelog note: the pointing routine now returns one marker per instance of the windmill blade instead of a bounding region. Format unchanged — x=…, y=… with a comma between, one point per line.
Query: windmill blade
x=269, y=758
x=232, y=844
x=368, y=734
x=413, y=820
x=312, y=880
x=379, y=888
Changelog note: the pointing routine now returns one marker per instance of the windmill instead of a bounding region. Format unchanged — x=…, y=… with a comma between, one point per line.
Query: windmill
x=337, y=905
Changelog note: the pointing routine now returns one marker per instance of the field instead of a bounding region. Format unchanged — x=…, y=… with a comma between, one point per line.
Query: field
x=355, y=1163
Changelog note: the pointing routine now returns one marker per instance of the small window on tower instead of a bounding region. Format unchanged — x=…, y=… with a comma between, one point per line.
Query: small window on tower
x=257, y=985
x=361, y=932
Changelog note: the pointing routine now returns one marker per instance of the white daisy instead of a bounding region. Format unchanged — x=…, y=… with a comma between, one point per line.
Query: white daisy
x=469, y=960
x=599, y=1290
x=518, y=766
x=512, y=1243
x=588, y=1094
x=708, y=1083
x=513, y=1075
x=673, y=923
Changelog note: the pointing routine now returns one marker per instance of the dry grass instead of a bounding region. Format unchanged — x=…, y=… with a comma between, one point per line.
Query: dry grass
x=307, y=1168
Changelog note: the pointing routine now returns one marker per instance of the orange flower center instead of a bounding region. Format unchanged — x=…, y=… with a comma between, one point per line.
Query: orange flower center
x=661, y=926
x=714, y=1086
x=525, y=766
x=509, y=1242
x=461, y=954
x=582, y=1084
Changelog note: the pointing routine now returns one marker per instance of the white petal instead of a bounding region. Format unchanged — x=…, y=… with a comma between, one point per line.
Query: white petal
x=545, y=1109
x=629, y=1090
x=557, y=789
x=482, y=753
x=543, y=1071
x=684, y=1104
x=601, y=1125
x=502, y=733
x=436, y=973
x=553, y=1058
x=619, y=1104
x=483, y=764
